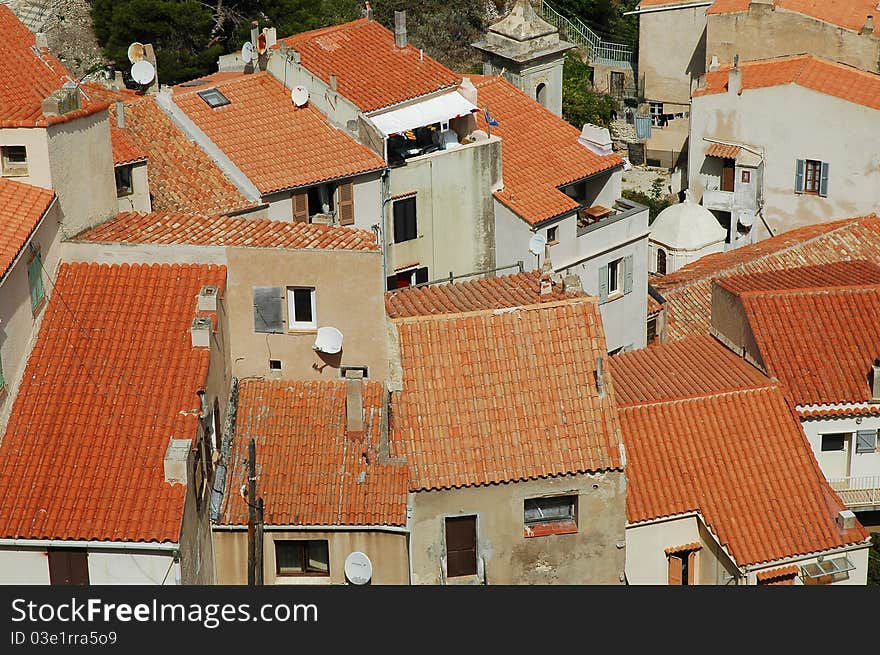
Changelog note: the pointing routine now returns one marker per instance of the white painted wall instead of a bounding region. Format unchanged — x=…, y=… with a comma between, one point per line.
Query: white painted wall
x=860, y=464
x=36, y=141
x=127, y=567
x=859, y=576
x=675, y=259
x=26, y=567
x=646, y=562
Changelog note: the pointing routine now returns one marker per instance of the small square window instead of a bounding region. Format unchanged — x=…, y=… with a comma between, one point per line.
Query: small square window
x=407, y=278
x=123, y=181
x=293, y=558
x=301, y=308
x=746, y=177
x=274, y=364
x=833, y=442
x=550, y=515
x=14, y=160
x=552, y=235
x=213, y=97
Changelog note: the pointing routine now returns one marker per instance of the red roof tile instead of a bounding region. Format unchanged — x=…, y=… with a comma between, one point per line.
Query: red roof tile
x=810, y=72
x=728, y=6
x=472, y=295
x=682, y=369
x=310, y=470
x=275, y=143
x=773, y=576
x=741, y=460
x=849, y=14
x=722, y=150
x=163, y=228
x=654, y=306
x=21, y=208
x=370, y=70
x=688, y=291
x=182, y=176
x=29, y=75
x=835, y=274
x=658, y=3
x=540, y=152
x=504, y=395
x=838, y=412
x=125, y=150
x=111, y=380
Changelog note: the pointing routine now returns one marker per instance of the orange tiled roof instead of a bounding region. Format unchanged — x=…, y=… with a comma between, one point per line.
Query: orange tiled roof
x=111, y=379
x=659, y=3
x=834, y=274
x=540, y=151
x=504, y=395
x=837, y=412
x=819, y=343
x=164, y=228
x=778, y=574
x=309, y=467
x=182, y=176
x=849, y=14
x=741, y=460
x=472, y=295
x=370, y=70
x=810, y=72
x=688, y=291
x=681, y=369
x=125, y=150
x=21, y=208
x=275, y=143
x=29, y=75
x=654, y=306
x=722, y=150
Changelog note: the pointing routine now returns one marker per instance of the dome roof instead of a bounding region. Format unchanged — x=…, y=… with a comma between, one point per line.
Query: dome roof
x=686, y=226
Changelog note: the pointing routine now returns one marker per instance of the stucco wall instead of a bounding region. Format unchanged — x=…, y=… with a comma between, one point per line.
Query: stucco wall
x=454, y=210
x=761, y=34
x=858, y=576
x=763, y=118
x=672, y=53
x=139, y=199
x=387, y=552
x=36, y=141
x=860, y=464
x=367, y=201
x=549, y=72
x=593, y=555
x=675, y=259
x=27, y=567
x=128, y=568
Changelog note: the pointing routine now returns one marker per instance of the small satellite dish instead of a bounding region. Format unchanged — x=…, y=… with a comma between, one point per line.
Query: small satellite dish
x=261, y=43
x=143, y=72
x=329, y=340
x=537, y=243
x=358, y=568
x=299, y=95
x=248, y=52
x=136, y=52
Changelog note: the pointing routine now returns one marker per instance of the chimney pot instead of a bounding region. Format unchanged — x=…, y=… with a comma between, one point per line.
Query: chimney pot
x=846, y=519
x=333, y=82
x=201, y=332
x=868, y=27
x=42, y=42
x=713, y=65
x=354, y=401
x=177, y=460
x=734, y=77
x=367, y=12
x=208, y=299
x=400, y=29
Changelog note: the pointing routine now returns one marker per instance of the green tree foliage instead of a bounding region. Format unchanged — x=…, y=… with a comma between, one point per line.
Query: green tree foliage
x=874, y=560
x=605, y=17
x=580, y=104
x=656, y=201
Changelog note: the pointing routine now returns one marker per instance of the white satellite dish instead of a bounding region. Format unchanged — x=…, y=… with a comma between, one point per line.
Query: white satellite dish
x=299, y=95
x=248, y=52
x=329, y=340
x=537, y=243
x=136, y=52
x=358, y=568
x=143, y=72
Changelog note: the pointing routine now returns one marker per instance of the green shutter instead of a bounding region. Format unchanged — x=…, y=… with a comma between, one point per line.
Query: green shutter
x=627, y=273
x=799, y=177
x=823, y=180
x=603, y=283
x=35, y=280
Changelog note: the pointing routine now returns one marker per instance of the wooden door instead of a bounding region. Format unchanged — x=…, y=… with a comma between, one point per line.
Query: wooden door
x=727, y=175
x=68, y=566
x=461, y=546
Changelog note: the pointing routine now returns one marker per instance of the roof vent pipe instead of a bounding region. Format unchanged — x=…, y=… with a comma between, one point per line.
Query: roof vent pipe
x=868, y=27
x=400, y=29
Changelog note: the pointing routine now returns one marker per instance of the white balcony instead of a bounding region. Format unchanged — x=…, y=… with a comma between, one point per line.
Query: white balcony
x=718, y=200
x=858, y=492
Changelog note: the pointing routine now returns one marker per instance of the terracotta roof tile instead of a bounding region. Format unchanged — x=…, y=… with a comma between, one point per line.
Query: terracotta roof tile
x=694, y=545
x=837, y=412
x=111, y=379
x=849, y=14
x=741, y=459
x=504, y=395
x=659, y=3
x=728, y=6
x=311, y=472
x=722, y=150
x=682, y=369
x=29, y=75
x=21, y=208
x=783, y=572
x=835, y=274
x=370, y=70
x=654, y=306
x=164, y=228
x=125, y=150
x=688, y=291
x=540, y=151
x=275, y=143
x=810, y=72
x=472, y=295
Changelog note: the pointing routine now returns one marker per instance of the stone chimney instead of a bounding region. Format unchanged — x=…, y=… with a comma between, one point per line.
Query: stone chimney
x=120, y=114
x=200, y=330
x=400, y=29
x=177, y=460
x=874, y=375
x=734, y=77
x=64, y=100
x=354, y=401
x=600, y=377
x=868, y=27
x=42, y=42
x=271, y=36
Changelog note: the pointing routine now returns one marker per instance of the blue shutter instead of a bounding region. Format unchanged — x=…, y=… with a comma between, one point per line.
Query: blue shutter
x=823, y=180
x=268, y=310
x=603, y=283
x=866, y=441
x=627, y=273
x=799, y=177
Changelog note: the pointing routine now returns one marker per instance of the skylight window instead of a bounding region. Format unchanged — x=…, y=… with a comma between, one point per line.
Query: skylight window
x=213, y=97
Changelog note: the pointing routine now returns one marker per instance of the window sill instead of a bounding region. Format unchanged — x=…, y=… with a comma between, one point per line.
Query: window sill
x=555, y=242
x=312, y=330
x=302, y=579
x=464, y=580
x=18, y=173
x=125, y=194
x=615, y=296
x=550, y=527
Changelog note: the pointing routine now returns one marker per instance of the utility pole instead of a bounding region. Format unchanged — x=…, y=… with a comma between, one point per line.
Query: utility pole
x=252, y=513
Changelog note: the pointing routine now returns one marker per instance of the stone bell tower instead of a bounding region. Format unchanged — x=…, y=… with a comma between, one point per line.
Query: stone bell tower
x=529, y=52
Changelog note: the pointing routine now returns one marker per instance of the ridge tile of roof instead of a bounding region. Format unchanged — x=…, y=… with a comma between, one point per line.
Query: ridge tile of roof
x=370, y=70
x=29, y=75
x=83, y=453
x=504, y=395
x=472, y=295
x=834, y=274
x=688, y=291
x=275, y=143
x=21, y=208
x=540, y=151
x=849, y=14
x=740, y=458
x=312, y=472
x=191, y=229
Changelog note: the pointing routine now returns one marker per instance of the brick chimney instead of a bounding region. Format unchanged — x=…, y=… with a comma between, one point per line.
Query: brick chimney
x=400, y=29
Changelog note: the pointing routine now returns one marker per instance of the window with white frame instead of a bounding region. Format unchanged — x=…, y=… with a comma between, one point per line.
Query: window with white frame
x=13, y=160
x=616, y=278
x=301, y=308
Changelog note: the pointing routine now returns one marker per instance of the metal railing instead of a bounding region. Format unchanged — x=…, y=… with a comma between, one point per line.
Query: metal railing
x=581, y=35
x=450, y=278
x=863, y=491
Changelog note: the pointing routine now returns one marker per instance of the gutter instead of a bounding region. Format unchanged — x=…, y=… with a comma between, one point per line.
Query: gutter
x=169, y=547
x=398, y=529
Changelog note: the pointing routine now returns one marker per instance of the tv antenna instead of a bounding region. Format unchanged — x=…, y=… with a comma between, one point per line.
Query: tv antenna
x=248, y=52
x=299, y=95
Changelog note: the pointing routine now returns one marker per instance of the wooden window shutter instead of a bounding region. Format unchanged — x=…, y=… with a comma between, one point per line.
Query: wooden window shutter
x=300, y=207
x=675, y=566
x=692, y=567
x=823, y=180
x=627, y=273
x=799, y=177
x=346, y=204
x=603, y=283
x=866, y=441
x=268, y=310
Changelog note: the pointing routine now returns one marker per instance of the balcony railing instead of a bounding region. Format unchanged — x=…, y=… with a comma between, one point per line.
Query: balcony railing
x=718, y=200
x=623, y=208
x=858, y=492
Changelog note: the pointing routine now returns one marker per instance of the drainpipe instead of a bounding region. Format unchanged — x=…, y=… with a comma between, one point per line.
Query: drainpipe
x=379, y=228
